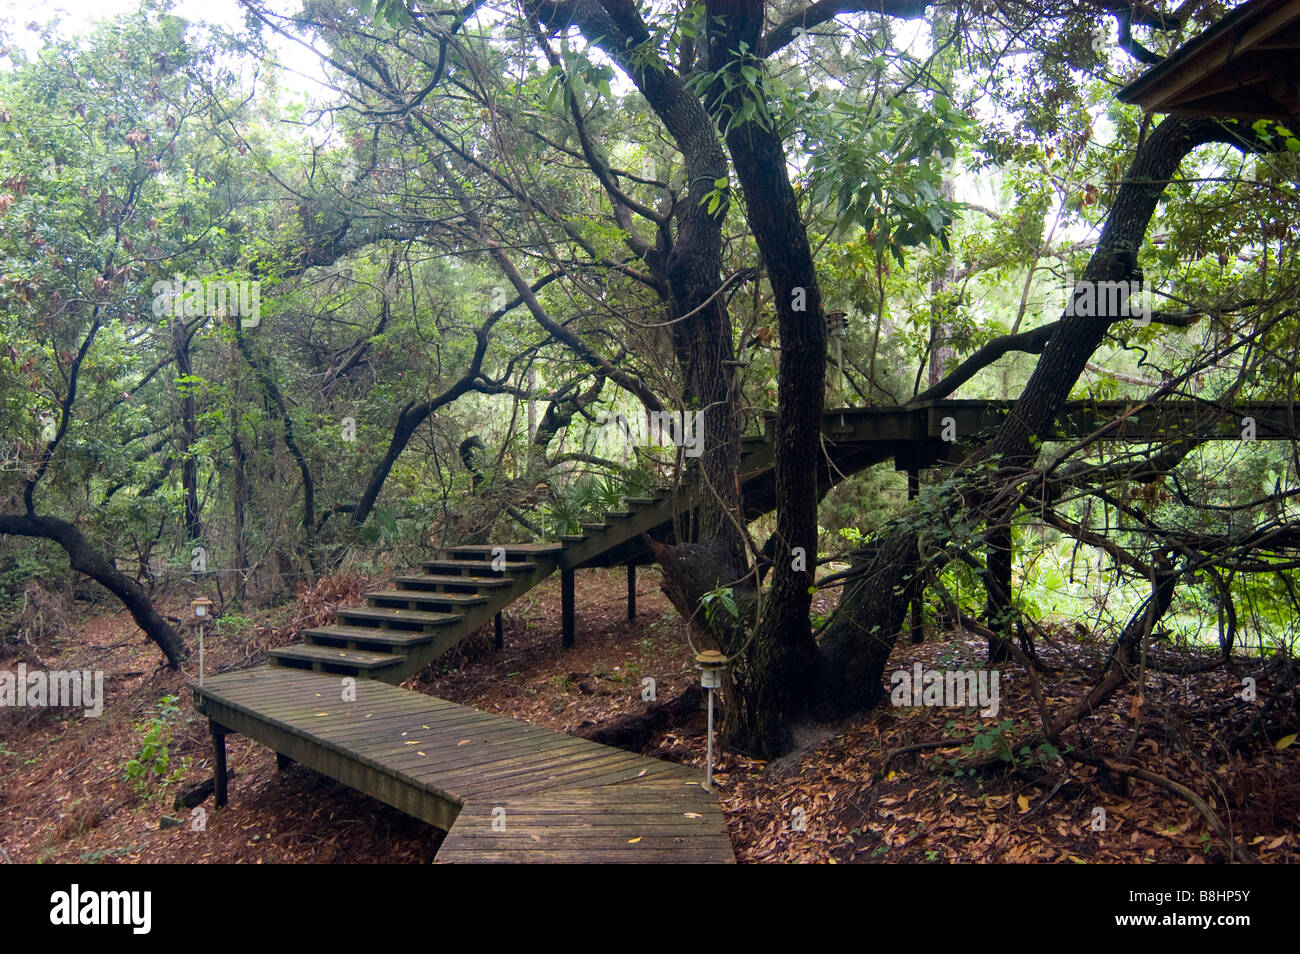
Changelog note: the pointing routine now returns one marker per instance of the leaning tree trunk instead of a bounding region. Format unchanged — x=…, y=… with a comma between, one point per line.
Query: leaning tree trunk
x=769, y=677
x=857, y=642
x=265, y=376
x=84, y=558
x=711, y=549
x=702, y=343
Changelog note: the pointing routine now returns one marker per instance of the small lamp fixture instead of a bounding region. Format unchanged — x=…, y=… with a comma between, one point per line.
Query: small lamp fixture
x=710, y=663
x=201, y=605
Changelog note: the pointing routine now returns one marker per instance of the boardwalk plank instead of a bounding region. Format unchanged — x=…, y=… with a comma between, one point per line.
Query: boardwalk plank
x=566, y=800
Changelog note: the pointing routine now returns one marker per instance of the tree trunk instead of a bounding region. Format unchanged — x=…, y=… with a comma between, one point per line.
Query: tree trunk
x=239, y=507
x=770, y=677
x=189, y=433
x=857, y=642
x=84, y=558
x=942, y=351
x=998, y=560
x=701, y=330
x=264, y=375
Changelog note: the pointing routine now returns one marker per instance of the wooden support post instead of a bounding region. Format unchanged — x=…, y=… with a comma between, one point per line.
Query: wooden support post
x=566, y=609
x=631, y=591
x=500, y=643
x=219, y=762
x=918, y=620
x=282, y=761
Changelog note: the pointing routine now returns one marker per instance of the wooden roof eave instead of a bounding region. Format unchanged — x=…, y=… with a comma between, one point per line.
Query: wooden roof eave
x=1244, y=66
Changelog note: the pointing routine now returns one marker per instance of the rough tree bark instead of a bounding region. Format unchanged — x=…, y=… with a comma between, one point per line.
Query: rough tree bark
x=769, y=679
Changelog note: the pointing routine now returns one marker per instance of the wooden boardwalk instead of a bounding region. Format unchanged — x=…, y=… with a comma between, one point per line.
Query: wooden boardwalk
x=505, y=791
x=558, y=797
x=421, y=616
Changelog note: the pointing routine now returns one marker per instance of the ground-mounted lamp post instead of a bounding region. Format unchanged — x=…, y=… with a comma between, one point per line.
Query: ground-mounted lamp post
x=201, y=605
x=710, y=663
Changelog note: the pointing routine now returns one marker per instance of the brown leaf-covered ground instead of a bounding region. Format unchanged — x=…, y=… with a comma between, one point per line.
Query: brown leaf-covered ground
x=64, y=798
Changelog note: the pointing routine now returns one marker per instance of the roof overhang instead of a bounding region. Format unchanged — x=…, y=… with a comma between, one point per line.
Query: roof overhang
x=1245, y=66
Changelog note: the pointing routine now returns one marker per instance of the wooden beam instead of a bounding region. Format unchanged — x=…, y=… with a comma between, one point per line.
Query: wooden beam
x=566, y=609
x=218, y=762
x=631, y=591
x=500, y=642
x=282, y=761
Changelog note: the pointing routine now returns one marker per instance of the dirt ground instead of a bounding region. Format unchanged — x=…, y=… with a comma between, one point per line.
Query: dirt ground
x=845, y=795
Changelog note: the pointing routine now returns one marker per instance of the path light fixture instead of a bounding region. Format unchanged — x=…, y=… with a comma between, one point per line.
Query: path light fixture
x=710, y=663
x=201, y=605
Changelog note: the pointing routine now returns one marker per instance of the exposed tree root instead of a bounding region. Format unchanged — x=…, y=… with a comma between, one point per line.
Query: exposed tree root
x=636, y=731
x=1177, y=788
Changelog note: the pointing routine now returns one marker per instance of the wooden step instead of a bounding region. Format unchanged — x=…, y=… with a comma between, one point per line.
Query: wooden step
x=328, y=657
x=573, y=537
x=378, y=617
x=643, y=501
x=477, y=568
x=340, y=636
x=434, y=583
x=449, y=600
x=595, y=527
x=617, y=515
x=515, y=552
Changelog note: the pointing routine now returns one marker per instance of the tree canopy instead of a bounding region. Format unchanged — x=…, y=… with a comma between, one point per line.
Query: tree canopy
x=251, y=329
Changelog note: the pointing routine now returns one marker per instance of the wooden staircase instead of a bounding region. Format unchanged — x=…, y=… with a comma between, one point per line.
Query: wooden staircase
x=401, y=630
x=557, y=798
x=507, y=791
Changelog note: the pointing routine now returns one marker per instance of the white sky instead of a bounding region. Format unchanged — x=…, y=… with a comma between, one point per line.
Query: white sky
x=303, y=72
